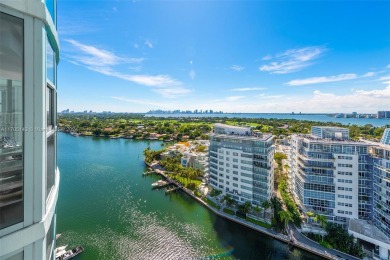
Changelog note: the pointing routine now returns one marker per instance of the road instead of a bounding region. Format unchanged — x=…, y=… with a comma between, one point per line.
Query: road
x=304, y=240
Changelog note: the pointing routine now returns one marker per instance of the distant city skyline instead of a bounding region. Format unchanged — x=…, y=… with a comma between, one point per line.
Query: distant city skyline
x=258, y=57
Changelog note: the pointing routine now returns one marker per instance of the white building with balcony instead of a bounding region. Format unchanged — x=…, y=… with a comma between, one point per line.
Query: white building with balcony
x=331, y=174
x=29, y=177
x=241, y=163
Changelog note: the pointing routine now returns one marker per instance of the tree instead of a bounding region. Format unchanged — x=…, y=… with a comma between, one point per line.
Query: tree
x=309, y=215
x=285, y=217
x=322, y=219
x=266, y=205
x=245, y=208
x=229, y=200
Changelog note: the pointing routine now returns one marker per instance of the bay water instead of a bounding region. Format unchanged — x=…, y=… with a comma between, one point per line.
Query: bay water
x=106, y=205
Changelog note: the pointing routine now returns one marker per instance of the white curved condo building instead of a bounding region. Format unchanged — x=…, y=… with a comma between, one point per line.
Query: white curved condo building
x=29, y=177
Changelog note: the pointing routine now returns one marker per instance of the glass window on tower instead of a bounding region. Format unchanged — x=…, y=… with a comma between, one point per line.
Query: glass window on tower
x=11, y=120
x=50, y=63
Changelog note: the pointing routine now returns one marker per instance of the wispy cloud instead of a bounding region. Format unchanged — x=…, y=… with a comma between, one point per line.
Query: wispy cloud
x=141, y=101
x=265, y=96
x=105, y=62
x=317, y=80
x=267, y=57
x=292, y=60
x=375, y=93
x=237, y=68
x=385, y=79
x=172, y=92
x=192, y=74
x=368, y=74
x=247, y=89
x=149, y=43
x=234, y=98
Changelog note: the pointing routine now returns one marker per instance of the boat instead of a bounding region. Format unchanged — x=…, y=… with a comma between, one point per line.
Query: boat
x=62, y=254
x=159, y=183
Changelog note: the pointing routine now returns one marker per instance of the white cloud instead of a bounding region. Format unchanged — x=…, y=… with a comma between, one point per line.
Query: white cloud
x=192, y=74
x=247, y=89
x=237, y=68
x=385, y=79
x=376, y=93
x=368, y=74
x=104, y=62
x=292, y=60
x=267, y=57
x=172, y=92
x=234, y=98
x=141, y=101
x=264, y=96
x=388, y=66
x=317, y=80
x=365, y=101
x=149, y=44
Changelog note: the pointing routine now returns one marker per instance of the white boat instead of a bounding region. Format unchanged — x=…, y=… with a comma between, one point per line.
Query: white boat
x=62, y=254
x=159, y=183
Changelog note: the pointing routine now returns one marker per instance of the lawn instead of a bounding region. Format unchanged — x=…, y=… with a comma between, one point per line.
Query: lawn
x=212, y=203
x=259, y=223
x=185, y=181
x=231, y=212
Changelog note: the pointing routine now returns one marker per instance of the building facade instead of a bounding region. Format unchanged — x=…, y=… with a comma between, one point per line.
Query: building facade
x=29, y=177
x=381, y=169
x=383, y=114
x=331, y=174
x=241, y=163
x=386, y=137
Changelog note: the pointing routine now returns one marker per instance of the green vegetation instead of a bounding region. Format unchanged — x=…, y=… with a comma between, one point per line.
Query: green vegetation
x=186, y=176
x=245, y=208
x=259, y=223
x=151, y=155
x=185, y=128
x=212, y=203
x=285, y=217
x=198, y=194
x=215, y=193
x=286, y=196
x=288, y=201
x=228, y=211
x=338, y=238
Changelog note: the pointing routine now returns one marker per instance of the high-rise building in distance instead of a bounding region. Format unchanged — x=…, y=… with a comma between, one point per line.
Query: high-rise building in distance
x=29, y=177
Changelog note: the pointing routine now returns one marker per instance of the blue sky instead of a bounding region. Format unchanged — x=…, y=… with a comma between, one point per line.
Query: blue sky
x=234, y=56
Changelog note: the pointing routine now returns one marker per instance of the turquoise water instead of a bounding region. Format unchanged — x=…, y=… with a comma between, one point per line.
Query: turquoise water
x=309, y=117
x=106, y=205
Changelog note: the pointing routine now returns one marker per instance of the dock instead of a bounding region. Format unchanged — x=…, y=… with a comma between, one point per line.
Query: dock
x=169, y=190
x=147, y=173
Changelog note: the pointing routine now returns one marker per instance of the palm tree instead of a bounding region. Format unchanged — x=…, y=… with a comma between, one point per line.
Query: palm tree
x=257, y=210
x=245, y=207
x=286, y=217
x=266, y=205
x=322, y=219
x=309, y=215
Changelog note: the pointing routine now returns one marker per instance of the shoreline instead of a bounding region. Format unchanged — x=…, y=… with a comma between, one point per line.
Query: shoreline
x=263, y=230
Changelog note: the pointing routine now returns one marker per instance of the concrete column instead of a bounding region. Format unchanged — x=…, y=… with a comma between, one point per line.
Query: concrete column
x=383, y=253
